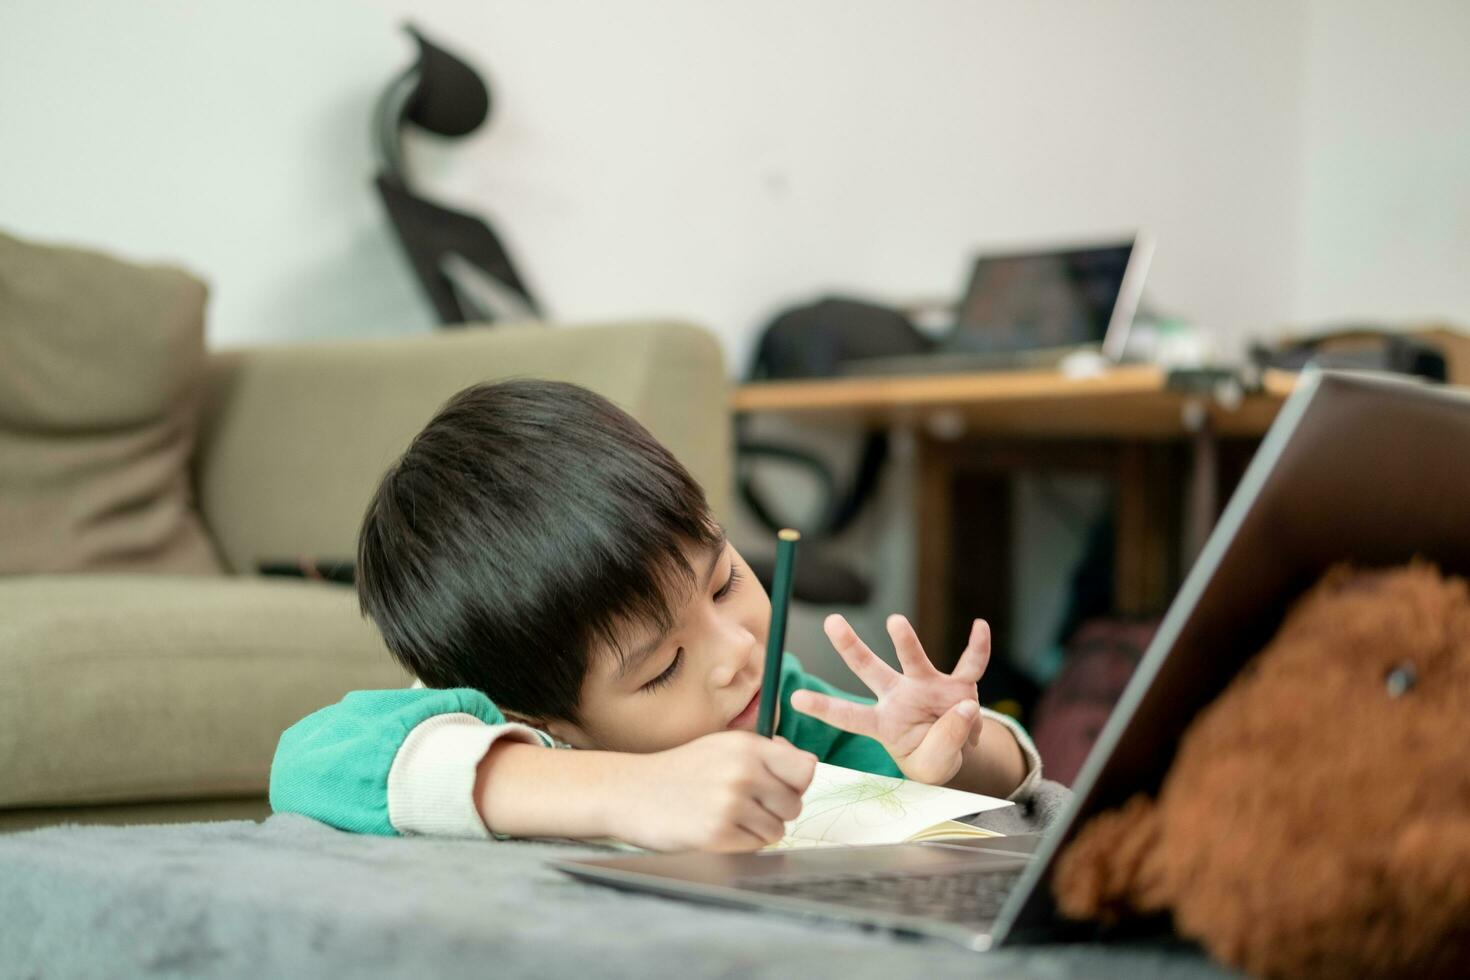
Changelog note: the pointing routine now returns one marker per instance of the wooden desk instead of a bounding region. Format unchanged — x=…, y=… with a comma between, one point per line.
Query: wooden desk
x=1125, y=403
x=975, y=431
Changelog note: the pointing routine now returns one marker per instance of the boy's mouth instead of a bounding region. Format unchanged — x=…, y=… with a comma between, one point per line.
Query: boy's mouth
x=747, y=716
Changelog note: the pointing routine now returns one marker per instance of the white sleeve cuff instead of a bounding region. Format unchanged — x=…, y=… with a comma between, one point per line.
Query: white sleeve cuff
x=431, y=786
x=1028, y=749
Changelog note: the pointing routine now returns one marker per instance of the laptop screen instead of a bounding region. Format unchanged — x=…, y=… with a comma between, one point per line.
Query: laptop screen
x=1061, y=298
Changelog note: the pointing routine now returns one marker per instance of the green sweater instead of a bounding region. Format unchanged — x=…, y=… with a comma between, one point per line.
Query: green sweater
x=333, y=764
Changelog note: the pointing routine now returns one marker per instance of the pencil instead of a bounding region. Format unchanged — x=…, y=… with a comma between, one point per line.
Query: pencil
x=765, y=722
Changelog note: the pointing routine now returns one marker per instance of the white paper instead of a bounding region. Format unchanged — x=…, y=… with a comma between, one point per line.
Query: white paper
x=846, y=807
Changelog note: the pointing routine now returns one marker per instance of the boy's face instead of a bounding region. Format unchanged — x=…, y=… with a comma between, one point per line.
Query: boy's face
x=703, y=676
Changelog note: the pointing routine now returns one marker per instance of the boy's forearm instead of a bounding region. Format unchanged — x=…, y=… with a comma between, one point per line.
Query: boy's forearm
x=995, y=767
x=526, y=790
x=728, y=791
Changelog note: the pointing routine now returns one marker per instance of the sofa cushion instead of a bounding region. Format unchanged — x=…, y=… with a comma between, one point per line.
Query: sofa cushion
x=101, y=365
x=117, y=688
x=294, y=438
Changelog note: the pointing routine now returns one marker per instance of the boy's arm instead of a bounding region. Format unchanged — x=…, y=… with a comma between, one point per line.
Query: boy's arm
x=392, y=762
x=728, y=791
x=446, y=763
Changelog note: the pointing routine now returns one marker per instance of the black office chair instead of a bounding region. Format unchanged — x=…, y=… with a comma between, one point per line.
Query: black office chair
x=814, y=341
x=460, y=261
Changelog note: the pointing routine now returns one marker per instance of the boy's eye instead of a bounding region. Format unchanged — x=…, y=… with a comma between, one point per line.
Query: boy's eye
x=730, y=582
x=668, y=673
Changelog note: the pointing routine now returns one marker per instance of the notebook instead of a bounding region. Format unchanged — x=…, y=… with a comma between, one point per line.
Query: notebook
x=843, y=807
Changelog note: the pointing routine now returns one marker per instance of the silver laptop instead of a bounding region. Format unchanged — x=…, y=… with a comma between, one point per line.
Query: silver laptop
x=1370, y=469
x=1031, y=309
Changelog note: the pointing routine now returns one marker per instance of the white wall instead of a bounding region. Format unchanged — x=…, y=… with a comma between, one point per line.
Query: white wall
x=1385, y=230
x=710, y=160
x=230, y=137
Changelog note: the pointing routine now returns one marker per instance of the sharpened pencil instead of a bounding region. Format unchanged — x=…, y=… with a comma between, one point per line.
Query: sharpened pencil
x=765, y=724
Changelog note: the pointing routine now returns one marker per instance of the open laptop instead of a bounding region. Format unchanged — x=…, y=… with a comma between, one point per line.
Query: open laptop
x=1368, y=469
x=1032, y=309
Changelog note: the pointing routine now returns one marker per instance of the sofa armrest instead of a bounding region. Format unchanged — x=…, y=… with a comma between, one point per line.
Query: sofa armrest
x=293, y=439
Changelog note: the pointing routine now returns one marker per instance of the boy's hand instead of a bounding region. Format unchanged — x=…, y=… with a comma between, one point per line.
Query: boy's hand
x=925, y=719
x=730, y=791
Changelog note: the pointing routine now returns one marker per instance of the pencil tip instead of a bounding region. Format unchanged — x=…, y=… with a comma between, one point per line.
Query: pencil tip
x=788, y=534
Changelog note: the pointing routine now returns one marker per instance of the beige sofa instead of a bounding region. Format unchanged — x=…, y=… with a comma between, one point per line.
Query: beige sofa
x=139, y=698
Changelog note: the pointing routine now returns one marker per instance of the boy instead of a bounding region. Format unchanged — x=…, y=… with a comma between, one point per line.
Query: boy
x=537, y=546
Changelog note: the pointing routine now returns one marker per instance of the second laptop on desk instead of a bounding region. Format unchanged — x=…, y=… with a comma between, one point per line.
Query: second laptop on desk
x=1033, y=309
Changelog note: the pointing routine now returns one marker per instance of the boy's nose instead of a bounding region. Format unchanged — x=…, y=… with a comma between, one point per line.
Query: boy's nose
x=737, y=658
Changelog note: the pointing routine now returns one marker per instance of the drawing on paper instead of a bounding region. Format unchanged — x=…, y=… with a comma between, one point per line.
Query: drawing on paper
x=841, y=801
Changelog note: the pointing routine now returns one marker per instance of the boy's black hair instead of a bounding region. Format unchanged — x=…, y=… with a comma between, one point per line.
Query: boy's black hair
x=528, y=522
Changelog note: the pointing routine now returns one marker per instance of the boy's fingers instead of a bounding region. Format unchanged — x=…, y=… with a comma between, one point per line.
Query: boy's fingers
x=762, y=823
x=906, y=642
x=976, y=655
x=793, y=767
x=946, y=736
x=781, y=800
x=860, y=719
x=871, y=670
x=975, y=731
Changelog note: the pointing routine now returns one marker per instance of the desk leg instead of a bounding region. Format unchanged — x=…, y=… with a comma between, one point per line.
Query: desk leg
x=1146, y=528
x=933, y=519
x=1204, y=493
x=963, y=527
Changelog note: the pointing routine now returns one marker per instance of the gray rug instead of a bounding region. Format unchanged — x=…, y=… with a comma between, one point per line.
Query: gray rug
x=293, y=898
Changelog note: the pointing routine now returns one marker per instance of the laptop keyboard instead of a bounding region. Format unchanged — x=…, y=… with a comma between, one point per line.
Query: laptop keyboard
x=972, y=897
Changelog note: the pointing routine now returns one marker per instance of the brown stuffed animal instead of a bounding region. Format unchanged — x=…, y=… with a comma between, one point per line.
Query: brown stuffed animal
x=1316, y=820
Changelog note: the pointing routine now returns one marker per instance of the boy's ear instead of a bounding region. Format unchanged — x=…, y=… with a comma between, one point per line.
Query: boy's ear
x=562, y=731
x=565, y=731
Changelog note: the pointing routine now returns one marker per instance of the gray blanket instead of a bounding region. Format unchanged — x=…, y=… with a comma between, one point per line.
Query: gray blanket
x=293, y=898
